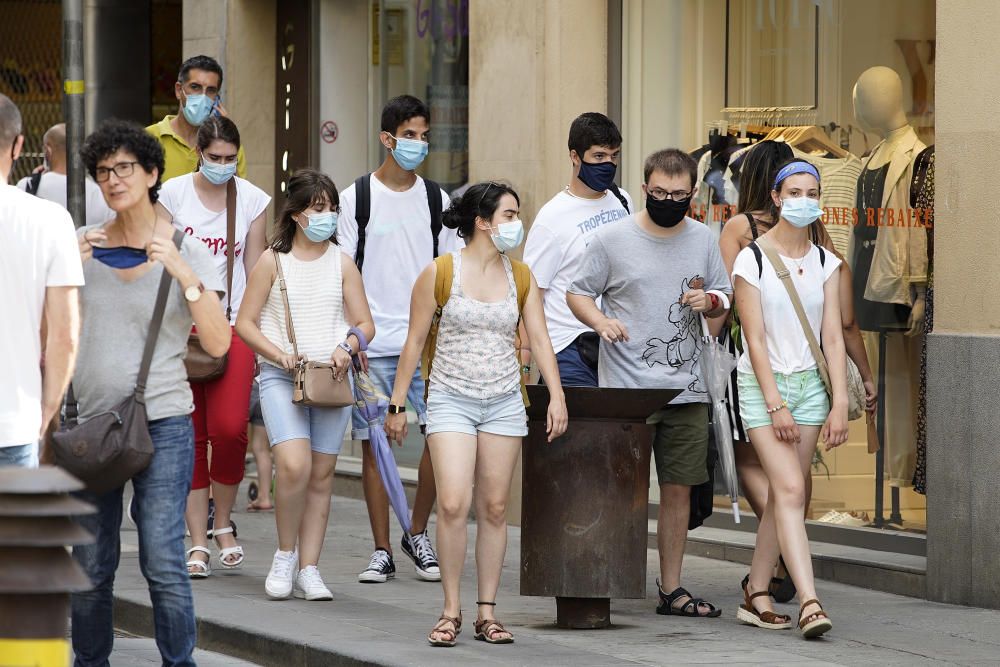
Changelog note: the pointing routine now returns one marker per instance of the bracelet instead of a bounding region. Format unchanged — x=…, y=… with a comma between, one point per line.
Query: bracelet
x=362, y=341
x=783, y=404
x=715, y=302
x=346, y=347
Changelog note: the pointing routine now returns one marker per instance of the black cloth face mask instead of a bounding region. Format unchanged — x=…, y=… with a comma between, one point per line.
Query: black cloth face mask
x=667, y=213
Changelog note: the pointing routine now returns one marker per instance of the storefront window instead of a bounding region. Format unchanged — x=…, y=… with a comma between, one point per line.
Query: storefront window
x=832, y=79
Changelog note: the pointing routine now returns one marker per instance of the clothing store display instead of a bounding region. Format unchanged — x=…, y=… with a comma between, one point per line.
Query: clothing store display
x=922, y=198
x=839, y=177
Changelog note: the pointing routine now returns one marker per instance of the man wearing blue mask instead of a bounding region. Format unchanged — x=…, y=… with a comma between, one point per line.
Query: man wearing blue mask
x=197, y=90
x=390, y=222
x=561, y=232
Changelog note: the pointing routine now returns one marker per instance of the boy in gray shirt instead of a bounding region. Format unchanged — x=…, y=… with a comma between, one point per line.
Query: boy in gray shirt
x=657, y=273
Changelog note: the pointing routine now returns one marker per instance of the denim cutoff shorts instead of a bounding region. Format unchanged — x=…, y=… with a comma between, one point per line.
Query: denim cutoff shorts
x=454, y=413
x=382, y=371
x=804, y=392
x=324, y=428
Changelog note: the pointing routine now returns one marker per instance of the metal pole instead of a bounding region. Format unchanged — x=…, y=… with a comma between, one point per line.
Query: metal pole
x=73, y=108
x=880, y=426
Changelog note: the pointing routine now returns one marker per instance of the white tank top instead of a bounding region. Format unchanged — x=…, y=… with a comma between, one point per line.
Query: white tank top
x=316, y=300
x=475, y=353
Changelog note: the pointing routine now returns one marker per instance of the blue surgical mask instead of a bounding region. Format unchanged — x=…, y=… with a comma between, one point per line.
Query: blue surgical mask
x=800, y=211
x=598, y=176
x=197, y=108
x=508, y=235
x=322, y=226
x=217, y=173
x=409, y=153
x=121, y=257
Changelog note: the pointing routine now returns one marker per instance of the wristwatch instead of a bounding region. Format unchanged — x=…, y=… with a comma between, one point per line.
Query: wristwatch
x=346, y=347
x=396, y=409
x=193, y=293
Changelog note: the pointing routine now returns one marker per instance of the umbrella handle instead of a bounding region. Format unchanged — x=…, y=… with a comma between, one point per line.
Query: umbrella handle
x=736, y=511
x=704, y=326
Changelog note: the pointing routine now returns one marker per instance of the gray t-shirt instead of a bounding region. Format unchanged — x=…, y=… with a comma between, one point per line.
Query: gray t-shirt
x=641, y=279
x=116, y=316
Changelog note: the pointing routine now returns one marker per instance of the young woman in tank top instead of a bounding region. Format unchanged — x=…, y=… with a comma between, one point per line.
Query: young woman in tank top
x=760, y=165
x=475, y=413
x=332, y=322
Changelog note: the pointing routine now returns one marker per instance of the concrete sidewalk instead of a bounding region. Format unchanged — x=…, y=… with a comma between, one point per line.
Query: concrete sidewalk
x=386, y=624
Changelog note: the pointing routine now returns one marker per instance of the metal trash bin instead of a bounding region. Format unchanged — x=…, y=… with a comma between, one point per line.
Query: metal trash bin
x=584, y=499
x=37, y=572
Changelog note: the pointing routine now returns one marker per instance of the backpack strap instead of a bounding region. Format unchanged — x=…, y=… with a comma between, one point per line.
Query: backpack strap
x=522, y=284
x=822, y=255
x=362, y=211
x=759, y=257
x=444, y=273
x=618, y=193
x=33, y=183
x=434, y=205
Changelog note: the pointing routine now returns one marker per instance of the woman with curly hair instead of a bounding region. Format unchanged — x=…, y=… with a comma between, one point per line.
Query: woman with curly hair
x=123, y=263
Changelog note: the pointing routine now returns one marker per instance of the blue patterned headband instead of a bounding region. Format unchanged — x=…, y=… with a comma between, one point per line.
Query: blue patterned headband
x=792, y=169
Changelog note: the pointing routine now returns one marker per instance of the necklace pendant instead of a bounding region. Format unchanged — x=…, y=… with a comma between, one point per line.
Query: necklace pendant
x=801, y=271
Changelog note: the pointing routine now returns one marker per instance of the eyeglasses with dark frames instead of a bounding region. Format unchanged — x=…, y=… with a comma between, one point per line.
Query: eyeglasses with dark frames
x=122, y=170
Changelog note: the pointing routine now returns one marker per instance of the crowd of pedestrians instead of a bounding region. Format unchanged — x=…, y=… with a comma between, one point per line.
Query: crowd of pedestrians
x=392, y=277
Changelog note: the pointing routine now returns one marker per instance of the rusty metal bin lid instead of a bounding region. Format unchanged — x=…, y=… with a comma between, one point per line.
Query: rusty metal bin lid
x=44, y=479
x=594, y=403
x=39, y=571
x=42, y=532
x=46, y=504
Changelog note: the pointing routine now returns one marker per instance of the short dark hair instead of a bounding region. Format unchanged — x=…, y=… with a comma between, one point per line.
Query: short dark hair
x=10, y=122
x=113, y=135
x=672, y=162
x=480, y=200
x=305, y=188
x=206, y=63
x=402, y=108
x=593, y=129
x=217, y=127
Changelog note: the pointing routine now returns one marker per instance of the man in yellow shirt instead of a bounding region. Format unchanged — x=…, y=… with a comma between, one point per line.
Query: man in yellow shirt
x=197, y=91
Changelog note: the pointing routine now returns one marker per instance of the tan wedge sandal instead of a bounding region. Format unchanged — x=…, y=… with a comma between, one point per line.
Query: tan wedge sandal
x=816, y=623
x=452, y=633
x=762, y=619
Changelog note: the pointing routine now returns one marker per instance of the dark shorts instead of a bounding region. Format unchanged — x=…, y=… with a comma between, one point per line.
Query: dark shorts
x=573, y=370
x=680, y=445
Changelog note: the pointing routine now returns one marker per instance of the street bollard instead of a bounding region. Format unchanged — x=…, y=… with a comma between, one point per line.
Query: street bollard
x=37, y=572
x=584, y=501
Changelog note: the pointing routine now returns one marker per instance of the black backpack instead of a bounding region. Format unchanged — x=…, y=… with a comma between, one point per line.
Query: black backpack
x=759, y=256
x=363, y=192
x=33, y=183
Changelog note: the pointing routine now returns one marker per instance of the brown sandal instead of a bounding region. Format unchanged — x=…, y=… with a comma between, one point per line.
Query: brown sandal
x=451, y=632
x=762, y=619
x=820, y=623
x=488, y=628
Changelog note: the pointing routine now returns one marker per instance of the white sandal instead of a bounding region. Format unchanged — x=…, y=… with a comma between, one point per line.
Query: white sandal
x=229, y=551
x=202, y=567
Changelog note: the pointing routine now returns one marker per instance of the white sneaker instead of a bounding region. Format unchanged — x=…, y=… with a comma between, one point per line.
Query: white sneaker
x=309, y=585
x=281, y=578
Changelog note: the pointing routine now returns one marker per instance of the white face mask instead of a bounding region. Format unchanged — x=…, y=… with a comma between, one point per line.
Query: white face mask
x=508, y=235
x=800, y=211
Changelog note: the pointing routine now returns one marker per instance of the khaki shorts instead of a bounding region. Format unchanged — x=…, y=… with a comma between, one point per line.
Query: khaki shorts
x=680, y=445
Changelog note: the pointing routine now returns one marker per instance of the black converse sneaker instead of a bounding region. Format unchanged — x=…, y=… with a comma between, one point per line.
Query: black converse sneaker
x=420, y=550
x=380, y=568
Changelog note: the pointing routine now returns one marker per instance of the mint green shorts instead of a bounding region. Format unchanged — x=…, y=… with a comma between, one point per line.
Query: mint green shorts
x=804, y=392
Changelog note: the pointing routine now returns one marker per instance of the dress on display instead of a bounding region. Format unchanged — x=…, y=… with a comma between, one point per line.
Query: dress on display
x=922, y=197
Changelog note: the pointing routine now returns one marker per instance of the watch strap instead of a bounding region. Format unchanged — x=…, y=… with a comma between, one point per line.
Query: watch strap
x=396, y=409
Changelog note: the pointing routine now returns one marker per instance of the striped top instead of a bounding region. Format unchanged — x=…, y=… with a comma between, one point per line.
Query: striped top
x=316, y=299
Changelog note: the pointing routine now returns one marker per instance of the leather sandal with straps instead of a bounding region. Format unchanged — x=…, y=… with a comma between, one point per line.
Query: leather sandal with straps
x=815, y=624
x=441, y=629
x=762, y=619
x=487, y=629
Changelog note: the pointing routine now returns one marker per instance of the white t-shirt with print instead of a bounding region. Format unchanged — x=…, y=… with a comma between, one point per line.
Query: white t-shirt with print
x=52, y=186
x=38, y=249
x=180, y=198
x=554, y=251
x=398, y=246
x=787, y=345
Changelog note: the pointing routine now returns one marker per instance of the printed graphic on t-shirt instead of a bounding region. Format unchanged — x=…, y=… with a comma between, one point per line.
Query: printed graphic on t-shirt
x=216, y=244
x=683, y=348
x=593, y=223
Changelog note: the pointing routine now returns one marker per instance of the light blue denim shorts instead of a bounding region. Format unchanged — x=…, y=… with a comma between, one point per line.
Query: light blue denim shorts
x=382, y=371
x=324, y=428
x=804, y=392
x=453, y=413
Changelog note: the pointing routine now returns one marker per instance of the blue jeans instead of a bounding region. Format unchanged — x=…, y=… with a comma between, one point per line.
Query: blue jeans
x=160, y=497
x=22, y=456
x=573, y=370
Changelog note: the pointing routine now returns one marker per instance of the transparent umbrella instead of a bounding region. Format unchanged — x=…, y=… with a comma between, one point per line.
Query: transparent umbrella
x=373, y=406
x=717, y=364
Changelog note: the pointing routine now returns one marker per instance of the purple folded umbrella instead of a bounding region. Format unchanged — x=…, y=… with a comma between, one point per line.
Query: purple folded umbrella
x=373, y=406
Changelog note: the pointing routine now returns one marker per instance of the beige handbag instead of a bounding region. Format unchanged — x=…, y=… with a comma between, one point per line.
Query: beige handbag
x=855, y=386
x=313, y=383
x=200, y=365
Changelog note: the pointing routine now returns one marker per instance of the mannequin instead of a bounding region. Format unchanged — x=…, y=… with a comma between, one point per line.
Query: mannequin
x=889, y=257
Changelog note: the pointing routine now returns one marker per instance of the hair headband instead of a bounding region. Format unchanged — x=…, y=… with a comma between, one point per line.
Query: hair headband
x=792, y=169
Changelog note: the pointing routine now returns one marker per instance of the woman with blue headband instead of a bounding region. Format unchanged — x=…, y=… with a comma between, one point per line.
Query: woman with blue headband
x=783, y=400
